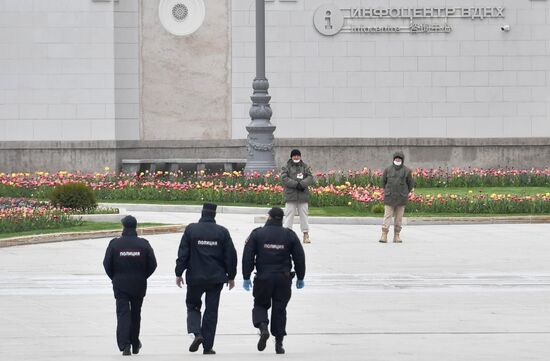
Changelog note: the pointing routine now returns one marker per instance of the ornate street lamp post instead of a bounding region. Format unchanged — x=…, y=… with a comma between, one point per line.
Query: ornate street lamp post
x=261, y=154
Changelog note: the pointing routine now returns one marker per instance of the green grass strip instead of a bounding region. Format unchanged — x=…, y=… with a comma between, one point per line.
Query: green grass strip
x=85, y=227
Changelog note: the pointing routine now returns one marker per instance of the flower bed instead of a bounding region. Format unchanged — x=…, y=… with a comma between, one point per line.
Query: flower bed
x=481, y=204
x=354, y=189
x=18, y=215
x=447, y=178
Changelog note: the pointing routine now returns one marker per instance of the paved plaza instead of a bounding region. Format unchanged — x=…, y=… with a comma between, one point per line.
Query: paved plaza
x=463, y=292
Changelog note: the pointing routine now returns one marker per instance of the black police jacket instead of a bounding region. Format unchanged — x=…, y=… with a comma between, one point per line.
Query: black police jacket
x=272, y=249
x=207, y=252
x=129, y=261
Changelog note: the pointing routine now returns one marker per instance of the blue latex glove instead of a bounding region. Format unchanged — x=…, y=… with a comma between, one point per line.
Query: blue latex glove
x=247, y=285
x=300, y=284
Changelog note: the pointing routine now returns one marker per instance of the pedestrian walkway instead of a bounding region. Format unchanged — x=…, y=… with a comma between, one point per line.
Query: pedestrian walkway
x=461, y=292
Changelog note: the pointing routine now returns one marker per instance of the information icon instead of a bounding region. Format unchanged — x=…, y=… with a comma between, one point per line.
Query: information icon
x=328, y=19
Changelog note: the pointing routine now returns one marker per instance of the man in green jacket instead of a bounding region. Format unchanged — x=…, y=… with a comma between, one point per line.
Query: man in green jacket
x=297, y=177
x=397, y=182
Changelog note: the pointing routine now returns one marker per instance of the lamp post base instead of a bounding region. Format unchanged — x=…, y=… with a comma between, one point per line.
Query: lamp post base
x=259, y=144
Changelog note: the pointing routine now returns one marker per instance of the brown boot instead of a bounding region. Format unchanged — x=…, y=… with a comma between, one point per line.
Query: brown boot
x=306, y=238
x=396, y=238
x=384, y=237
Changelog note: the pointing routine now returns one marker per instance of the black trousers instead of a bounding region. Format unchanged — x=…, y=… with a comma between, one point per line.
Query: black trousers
x=128, y=312
x=206, y=328
x=271, y=290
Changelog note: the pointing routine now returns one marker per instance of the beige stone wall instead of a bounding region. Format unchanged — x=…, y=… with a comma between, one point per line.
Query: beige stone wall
x=186, y=91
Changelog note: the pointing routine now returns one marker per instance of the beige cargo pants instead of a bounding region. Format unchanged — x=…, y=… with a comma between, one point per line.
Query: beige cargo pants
x=291, y=208
x=393, y=212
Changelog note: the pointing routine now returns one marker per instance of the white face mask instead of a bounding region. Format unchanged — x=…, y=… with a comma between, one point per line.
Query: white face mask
x=397, y=162
x=296, y=160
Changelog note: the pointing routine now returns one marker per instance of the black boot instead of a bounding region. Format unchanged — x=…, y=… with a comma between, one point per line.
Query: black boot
x=126, y=351
x=196, y=343
x=264, y=335
x=209, y=352
x=135, y=350
x=279, y=349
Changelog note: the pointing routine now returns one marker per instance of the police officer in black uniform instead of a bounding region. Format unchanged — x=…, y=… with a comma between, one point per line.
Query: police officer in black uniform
x=129, y=261
x=272, y=249
x=207, y=252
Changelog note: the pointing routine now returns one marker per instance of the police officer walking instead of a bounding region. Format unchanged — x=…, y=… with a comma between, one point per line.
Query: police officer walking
x=272, y=249
x=206, y=251
x=129, y=261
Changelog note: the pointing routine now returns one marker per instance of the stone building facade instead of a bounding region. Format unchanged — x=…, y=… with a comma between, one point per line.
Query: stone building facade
x=87, y=83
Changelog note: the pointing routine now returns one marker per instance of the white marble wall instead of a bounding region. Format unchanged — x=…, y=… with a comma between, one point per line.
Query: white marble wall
x=476, y=81
x=56, y=70
x=127, y=69
x=70, y=70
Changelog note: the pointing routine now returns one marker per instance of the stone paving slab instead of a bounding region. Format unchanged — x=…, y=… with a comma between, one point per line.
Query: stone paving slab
x=260, y=215
x=462, y=292
x=184, y=208
x=111, y=218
